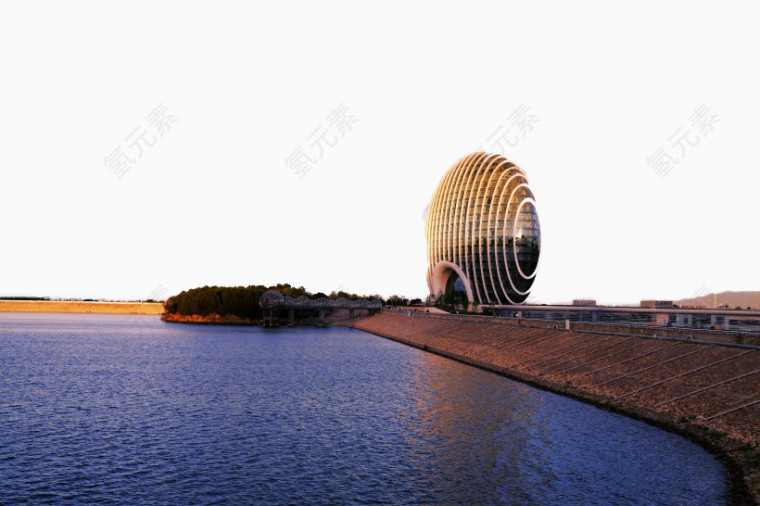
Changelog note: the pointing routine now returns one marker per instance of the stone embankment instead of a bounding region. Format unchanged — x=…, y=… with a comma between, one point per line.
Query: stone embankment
x=708, y=392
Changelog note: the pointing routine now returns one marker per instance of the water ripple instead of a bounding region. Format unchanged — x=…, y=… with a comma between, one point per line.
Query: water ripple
x=121, y=409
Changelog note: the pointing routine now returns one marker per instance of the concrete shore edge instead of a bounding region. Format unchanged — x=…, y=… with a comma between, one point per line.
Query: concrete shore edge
x=743, y=476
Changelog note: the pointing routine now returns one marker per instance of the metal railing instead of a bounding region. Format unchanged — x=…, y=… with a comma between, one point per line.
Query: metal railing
x=274, y=299
x=741, y=339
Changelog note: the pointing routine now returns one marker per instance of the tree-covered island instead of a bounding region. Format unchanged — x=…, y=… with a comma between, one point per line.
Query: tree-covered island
x=238, y=304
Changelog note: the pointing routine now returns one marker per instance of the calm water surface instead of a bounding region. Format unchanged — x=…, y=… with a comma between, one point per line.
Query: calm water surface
x=129, y=409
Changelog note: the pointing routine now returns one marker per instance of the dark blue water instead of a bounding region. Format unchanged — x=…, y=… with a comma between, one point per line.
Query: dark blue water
x=132, y=410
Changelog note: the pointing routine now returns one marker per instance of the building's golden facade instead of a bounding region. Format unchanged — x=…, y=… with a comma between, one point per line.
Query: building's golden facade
x=483, y=234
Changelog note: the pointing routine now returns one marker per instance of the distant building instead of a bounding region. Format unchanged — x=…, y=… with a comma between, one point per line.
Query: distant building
x=584, y=302
x=657, y=304
x=482, y=231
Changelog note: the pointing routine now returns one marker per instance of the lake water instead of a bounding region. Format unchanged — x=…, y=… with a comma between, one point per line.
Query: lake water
x=133, y=410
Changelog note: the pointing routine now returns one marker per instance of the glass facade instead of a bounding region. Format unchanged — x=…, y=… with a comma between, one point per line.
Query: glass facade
x=482, y=227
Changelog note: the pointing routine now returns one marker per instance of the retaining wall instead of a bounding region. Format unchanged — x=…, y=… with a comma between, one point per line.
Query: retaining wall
x=708, y=391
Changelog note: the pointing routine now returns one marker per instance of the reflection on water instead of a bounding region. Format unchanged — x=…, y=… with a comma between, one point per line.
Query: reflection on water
x=483, y=427
x=131, y=409
x=495, y=440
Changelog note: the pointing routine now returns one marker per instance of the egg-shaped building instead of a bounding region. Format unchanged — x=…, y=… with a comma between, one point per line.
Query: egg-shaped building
x=483, y=235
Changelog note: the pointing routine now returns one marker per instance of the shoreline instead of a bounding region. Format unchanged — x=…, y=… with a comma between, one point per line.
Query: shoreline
x=742, y=466
x=214, y=319
x=81, y=307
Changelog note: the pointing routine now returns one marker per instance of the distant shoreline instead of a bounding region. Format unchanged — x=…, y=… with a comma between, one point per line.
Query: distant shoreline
x=49, y=306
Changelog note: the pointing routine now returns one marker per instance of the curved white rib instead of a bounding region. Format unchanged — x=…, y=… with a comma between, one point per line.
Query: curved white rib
x=461, y=218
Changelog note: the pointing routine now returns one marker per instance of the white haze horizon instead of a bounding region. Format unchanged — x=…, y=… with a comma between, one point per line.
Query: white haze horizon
x=166, y=146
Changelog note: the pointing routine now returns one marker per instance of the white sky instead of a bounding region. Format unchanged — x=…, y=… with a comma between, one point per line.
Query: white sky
x=213, y=202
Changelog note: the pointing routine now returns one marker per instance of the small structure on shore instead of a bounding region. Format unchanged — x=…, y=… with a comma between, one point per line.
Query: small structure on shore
x=311, y=311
